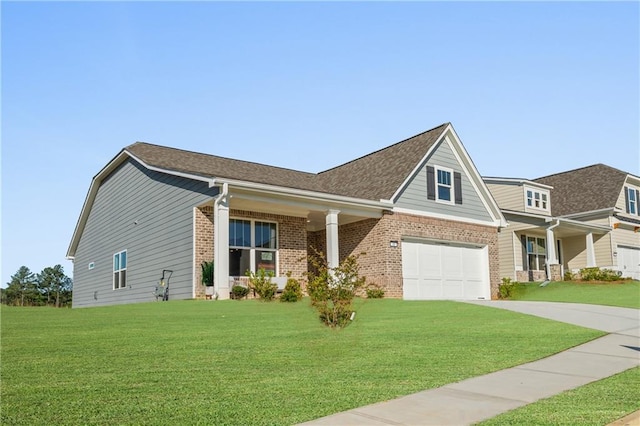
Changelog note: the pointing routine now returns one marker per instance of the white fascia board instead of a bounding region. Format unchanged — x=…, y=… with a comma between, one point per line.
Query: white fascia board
x=97, y=180
x=88, y=201
x=317, y=197
x=515, y=181
x=495, y=223
x=584, y=225
x=600, y=212
x=419, y=165
x=476, y=179
x=545, y=217
x=210, y=181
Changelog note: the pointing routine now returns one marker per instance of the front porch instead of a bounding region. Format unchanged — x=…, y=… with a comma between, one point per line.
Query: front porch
x=247, y=230
x=556, y=245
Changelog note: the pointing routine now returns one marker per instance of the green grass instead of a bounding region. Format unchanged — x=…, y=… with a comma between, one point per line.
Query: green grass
x=624, y=294
x=598, y=403
x=249, y=362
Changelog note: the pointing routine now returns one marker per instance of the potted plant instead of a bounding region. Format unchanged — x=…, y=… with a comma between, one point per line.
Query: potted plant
x=207, y=277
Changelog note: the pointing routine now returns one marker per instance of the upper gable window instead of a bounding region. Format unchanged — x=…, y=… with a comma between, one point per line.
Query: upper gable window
x=537, y=199
x=444, y=185
x=632, y=197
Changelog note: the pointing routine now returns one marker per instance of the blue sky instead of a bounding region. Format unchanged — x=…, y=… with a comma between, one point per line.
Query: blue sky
x=531, y=89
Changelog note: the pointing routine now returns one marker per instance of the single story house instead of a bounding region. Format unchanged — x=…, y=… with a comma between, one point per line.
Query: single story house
x=419, y=209
x=588, y=217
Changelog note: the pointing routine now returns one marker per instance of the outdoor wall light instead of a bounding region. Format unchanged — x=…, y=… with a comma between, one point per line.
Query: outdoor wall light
x=393, y=243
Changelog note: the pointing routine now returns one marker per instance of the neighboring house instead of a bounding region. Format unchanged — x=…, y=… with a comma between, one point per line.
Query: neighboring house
x=581, y=218
x=419, y=209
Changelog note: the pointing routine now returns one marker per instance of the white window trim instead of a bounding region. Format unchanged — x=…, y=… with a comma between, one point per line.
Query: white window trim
x=533, y=193
x=631, y=190
x=252, y=249
x=536, y=254
x=451, y=185
x=113, y=272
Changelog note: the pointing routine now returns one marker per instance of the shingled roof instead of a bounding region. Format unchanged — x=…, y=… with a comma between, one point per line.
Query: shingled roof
x=374, y=176
x=586, y=189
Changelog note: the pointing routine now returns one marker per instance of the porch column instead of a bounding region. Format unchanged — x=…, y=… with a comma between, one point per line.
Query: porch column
x=221, y=245
x=552, y=257
x=591, y=254
x=333, y=253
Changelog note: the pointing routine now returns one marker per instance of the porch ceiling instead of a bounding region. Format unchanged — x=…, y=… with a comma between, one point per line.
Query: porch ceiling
x=315, y=215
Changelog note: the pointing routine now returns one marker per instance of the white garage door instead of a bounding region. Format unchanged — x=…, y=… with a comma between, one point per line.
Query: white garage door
x=432, y=270
x=629, y=262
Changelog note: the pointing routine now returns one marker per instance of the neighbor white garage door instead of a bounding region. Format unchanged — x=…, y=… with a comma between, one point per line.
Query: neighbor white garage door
x=629, y=262
x=433, y=270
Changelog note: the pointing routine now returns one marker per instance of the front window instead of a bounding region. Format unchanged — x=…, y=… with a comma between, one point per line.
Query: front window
x=253, y=245
x=632, y=201
x=120, y=270
x=537, y=199
x=536, y=253
x=443, y=185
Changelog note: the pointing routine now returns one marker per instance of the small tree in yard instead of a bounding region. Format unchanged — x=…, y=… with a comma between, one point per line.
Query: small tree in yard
x=332, y=289
x=261, y=283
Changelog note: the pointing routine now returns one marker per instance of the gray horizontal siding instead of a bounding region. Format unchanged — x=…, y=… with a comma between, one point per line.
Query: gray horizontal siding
x=414, y=196
x=163, y=206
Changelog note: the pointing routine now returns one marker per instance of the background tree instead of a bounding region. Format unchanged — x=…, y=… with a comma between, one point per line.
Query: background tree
x=22, y=289
x=55, y=286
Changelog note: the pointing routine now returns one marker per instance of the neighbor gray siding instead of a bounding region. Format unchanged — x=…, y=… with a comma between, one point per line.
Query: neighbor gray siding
x=149, y=214
x=414, y=196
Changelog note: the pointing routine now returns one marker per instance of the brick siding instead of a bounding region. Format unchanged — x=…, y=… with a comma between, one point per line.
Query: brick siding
x=382, y=264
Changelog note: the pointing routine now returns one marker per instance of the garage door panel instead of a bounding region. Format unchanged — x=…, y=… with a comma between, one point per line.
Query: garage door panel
x=444, y=271
x=430, y=289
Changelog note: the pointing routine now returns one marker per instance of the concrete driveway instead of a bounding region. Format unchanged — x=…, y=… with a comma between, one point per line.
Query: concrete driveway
x=480, y=398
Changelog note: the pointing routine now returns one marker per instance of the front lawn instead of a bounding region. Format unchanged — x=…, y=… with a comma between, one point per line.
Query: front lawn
x=624, y=293
x=249, y=362
x=598, y=403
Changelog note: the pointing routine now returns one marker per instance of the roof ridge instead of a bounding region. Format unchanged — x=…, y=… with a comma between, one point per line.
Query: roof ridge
x=383, y=149
x=578, y=169
x=218, y=156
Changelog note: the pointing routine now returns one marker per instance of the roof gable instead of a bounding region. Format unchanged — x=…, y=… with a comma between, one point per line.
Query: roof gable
x=590, y=188
x=377, y=176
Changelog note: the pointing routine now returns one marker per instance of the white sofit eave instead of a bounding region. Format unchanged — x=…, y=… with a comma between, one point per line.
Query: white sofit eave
x=450, y=136
x=95, y=185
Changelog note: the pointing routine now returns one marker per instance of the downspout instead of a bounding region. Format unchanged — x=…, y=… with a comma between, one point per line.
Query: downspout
x=551, y=246
x=216, y=235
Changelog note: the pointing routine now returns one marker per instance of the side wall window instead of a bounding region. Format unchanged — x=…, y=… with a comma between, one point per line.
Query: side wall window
x=120, y=270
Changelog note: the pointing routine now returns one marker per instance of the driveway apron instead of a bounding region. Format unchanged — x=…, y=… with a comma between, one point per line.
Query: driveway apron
x=480, y=398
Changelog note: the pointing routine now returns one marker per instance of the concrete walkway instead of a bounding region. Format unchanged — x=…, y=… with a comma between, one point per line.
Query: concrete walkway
x=480, y=398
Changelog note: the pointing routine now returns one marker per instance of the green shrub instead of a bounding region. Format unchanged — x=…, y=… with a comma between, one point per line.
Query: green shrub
x=207, y=273
x=597, y=274
x=261, y=283
x=505, y=290
x=239, y=291
x=332, y=289
x=374, y=292
x=569, y=276
x=292, y=291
